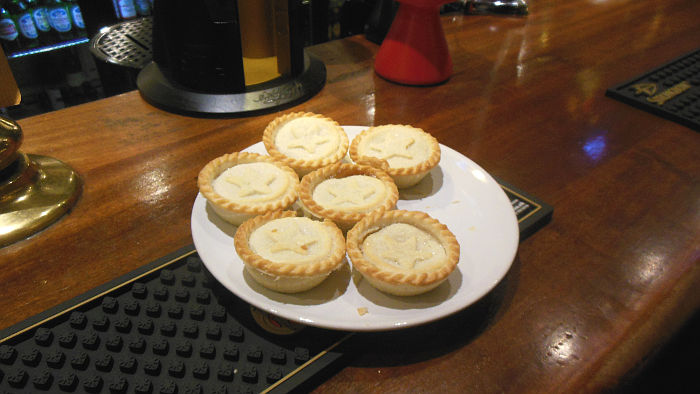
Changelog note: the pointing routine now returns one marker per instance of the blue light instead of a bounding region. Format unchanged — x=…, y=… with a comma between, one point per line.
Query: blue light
x=48, y=48
x=595, y=147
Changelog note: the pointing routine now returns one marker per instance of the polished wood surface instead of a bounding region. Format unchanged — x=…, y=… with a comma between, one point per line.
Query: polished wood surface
x=589, y=297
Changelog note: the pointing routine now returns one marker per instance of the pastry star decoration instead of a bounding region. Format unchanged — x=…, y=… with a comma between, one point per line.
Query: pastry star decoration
x=397, y=149
x=308, y=141
x=406, y=253
x=293, y=241
x=349, y=192
x=249, y=187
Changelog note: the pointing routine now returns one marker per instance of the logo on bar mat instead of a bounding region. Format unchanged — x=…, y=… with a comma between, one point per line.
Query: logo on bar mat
x=649, y=89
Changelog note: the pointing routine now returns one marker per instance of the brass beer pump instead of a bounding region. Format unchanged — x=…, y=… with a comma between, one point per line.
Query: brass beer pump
x=35, y=190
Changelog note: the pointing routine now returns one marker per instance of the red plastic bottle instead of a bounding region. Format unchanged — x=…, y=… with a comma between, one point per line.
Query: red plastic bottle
x=415, y=51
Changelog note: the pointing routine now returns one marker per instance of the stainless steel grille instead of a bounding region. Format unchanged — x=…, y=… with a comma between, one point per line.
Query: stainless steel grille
x=125, y=44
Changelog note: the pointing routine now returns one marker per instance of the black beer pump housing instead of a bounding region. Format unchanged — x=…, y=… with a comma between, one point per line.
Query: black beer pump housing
x=219, y=58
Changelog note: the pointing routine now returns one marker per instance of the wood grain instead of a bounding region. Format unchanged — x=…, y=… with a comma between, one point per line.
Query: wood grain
x=589, y=297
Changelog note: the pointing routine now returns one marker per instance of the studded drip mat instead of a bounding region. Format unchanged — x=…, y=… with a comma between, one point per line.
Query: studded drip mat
x=671, y=91
x=170, y=327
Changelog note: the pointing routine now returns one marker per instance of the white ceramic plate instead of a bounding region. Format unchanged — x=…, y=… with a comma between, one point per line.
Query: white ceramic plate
x=458, y=193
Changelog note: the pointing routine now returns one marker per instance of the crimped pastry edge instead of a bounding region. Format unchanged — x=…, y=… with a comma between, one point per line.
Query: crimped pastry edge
x=404, y=176
x=344, y=220
x=285, y=284
x=377, y=220
x=302, y=167
x=252, y=259
x=218, y=165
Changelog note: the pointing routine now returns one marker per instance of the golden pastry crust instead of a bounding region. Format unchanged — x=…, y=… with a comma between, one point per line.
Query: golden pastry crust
x=305, y=165
x=291, y=276
x=235, y=211
x=394, y=278
x=404, y=175
x=345, y=218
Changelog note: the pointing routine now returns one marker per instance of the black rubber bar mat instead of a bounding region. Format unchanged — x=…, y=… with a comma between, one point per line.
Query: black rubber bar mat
x=532, y=213
x=671, y=91
x=170, y=327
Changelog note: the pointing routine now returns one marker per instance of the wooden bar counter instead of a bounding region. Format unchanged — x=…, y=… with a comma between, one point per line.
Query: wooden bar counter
x=589, y=298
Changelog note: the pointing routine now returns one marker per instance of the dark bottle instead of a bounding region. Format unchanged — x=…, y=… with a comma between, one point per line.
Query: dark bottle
x=28, y=33
x=125, y=9
x=41, y=20
x=9, y=34
x=77, y=17
x=72, y=88
x=59, y=19
x=143, y=7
